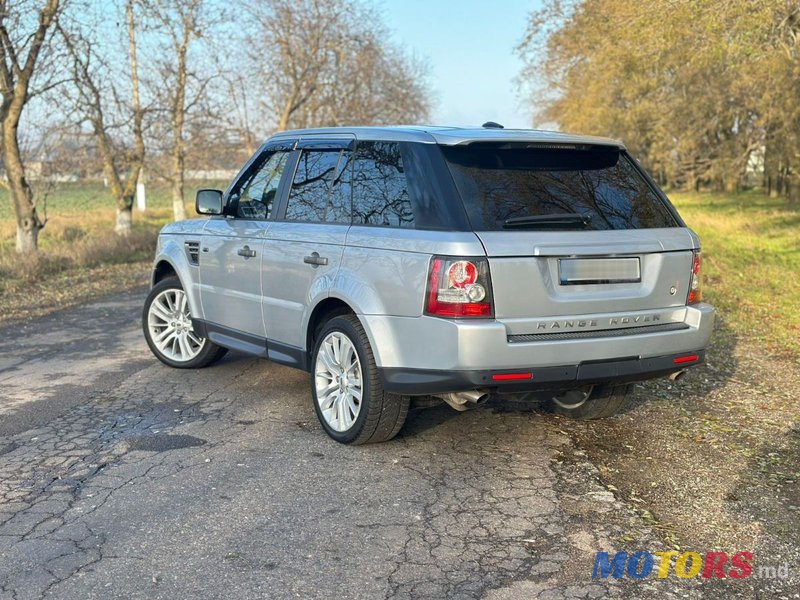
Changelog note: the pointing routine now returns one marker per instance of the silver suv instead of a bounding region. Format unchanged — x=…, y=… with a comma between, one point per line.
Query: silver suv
x=401, y=263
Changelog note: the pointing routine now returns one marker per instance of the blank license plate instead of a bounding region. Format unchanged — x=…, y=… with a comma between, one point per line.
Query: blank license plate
x=582, y=271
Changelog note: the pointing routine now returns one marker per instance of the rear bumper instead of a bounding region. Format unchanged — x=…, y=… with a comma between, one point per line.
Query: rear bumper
x=420, y=355
x=428, y=381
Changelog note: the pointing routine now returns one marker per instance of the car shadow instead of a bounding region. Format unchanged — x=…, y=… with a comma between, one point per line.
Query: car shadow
x=421, y=420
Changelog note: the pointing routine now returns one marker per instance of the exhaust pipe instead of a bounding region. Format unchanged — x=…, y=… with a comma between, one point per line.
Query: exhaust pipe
x=678, y=375
x=462, y=401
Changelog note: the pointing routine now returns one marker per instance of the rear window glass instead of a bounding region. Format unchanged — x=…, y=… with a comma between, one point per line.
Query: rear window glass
x=499, y=183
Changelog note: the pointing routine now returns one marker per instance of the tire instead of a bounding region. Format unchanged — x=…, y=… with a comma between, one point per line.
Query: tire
x=599, y=402
x=342, y=348
x=167, y=326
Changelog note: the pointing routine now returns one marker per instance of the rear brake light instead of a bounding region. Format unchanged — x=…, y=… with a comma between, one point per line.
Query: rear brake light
x=694, y=282
x=459, y=287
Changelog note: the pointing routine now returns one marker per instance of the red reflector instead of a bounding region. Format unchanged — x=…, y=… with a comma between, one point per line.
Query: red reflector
x=511, y=376
x=685, y=359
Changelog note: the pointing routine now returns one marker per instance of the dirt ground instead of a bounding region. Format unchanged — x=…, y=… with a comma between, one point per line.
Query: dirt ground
x=24, y=301
x=712, y=461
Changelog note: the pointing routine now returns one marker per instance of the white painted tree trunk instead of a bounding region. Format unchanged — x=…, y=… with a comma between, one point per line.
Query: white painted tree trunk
x=141, y=200
x=124, y=221
x=27, y=241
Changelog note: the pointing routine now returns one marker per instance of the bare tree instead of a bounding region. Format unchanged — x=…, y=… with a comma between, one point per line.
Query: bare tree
x=374, y=84
x=122, y=162
x=19, y=60
x=327, y=62
x=239, y=115
x=183, y=22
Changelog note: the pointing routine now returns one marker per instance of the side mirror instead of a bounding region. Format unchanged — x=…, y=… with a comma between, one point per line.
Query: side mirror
x=208, y=202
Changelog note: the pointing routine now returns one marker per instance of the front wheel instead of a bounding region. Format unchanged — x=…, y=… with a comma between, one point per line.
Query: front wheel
x=167, y=325
x=589, y=402
x=349, y=400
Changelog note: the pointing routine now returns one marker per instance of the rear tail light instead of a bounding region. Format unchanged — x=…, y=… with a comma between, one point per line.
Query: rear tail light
x=694, y=282
x=459, y=287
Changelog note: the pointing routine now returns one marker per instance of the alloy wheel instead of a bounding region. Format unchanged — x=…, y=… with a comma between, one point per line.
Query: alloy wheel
x=573, y=398
x=338, y=381
x=170, y=326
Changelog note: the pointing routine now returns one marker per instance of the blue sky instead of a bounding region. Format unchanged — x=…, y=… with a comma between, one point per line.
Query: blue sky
x=469, y=45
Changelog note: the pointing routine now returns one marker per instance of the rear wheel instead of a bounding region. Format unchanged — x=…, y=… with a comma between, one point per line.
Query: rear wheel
x=349, y=400
x=167, y=325
x=589, y=402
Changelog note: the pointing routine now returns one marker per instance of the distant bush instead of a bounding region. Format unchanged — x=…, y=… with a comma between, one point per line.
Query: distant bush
x=71, y=234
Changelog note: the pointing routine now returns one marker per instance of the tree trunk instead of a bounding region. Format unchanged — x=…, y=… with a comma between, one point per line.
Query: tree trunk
x=15, y=94
x=28, y=222
x=124, y=223
x=27, y=240
x=178, y=119
x=793, y=188
x=283, y=121
x=178, y=205
x=137, y=163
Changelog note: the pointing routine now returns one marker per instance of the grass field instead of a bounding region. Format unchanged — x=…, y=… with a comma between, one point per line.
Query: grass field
x=78, y=210
x=751, y=264
x=751, y=251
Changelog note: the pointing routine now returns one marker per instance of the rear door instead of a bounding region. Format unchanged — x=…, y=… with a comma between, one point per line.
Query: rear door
x=573, y=232
x=231, y=251
x=303, y=248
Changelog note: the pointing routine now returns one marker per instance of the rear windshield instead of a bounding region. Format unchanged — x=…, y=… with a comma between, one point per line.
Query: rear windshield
x=499, y=183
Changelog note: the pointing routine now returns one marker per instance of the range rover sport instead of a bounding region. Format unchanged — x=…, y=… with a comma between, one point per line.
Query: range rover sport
x=401, y=262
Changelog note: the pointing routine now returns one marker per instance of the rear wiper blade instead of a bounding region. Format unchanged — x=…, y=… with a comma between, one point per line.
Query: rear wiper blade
x=557, y=220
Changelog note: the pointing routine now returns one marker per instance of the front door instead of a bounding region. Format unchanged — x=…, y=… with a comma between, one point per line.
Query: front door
x=231, y=253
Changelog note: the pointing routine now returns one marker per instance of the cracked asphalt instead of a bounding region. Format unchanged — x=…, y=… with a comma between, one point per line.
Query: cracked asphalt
x=123, y=478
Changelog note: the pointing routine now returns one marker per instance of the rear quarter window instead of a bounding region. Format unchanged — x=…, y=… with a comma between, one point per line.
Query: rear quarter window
x=380, y=188
x=502, y=182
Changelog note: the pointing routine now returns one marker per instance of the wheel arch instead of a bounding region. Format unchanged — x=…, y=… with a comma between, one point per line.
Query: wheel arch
x=163, y=269
x=326, y=309
x=171, y=261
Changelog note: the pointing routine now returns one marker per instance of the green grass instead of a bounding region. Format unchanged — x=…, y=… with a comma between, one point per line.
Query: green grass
x=78, y=210
x=751, y=263
x=83, y=197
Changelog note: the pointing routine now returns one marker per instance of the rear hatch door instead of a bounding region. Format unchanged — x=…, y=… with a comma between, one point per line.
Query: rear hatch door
x=577, y=237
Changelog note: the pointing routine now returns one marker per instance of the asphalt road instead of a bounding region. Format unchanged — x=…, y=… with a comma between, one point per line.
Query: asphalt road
x=122, y=478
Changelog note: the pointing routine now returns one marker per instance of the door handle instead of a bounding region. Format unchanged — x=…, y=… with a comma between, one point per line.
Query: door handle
x=246, y=252
x=316, y=260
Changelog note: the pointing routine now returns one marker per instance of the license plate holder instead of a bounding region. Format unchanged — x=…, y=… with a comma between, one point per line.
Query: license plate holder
x=595, y=271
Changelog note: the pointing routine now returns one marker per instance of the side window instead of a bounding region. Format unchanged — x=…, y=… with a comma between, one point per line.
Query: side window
x=256, y=194
x=321, y=188
x=380, y=190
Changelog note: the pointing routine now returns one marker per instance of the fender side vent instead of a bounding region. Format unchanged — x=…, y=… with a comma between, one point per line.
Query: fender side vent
x=193, y=252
